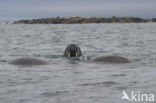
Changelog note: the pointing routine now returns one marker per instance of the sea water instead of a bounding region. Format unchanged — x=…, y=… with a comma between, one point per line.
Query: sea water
x=67, y=81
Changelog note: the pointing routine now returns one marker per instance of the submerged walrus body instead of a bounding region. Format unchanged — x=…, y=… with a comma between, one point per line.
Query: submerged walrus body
x=28, y=61
x=111, y=59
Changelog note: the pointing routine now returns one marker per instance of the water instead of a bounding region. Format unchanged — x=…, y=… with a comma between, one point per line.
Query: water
x=65, y=81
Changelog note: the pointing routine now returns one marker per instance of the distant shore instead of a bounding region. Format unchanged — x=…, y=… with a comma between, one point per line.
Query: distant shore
x=85, y=20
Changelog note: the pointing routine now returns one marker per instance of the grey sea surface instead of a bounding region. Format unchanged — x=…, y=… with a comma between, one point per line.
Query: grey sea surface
x=66, y=81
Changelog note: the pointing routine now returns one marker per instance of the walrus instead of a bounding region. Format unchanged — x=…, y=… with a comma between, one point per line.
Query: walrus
x=72, y=50
x=111, y=59
x=28, y=61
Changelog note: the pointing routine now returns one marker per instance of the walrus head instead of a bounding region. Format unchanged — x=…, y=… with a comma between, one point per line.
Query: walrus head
x=72, y=50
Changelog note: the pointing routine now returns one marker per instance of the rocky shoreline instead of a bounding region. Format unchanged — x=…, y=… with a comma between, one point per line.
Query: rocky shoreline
x=85, y=20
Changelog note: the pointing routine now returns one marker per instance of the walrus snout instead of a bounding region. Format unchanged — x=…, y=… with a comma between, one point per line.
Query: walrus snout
x=72, y=50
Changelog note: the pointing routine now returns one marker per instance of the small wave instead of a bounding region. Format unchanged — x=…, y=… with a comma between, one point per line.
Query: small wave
x=109, y=32
x=108, y=83
x=117, y=75
x=48, y=56
x=122, y=88
x=53, y=56
x=56, y=93
x=134, y=82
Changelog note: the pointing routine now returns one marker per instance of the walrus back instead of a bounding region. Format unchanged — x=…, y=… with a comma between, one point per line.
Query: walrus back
x=28, y=61
x=112, y=59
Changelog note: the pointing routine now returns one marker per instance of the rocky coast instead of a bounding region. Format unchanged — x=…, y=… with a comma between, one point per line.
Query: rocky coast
x=84, y=20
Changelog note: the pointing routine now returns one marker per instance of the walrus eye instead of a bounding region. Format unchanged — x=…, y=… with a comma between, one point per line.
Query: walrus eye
x=68, y=54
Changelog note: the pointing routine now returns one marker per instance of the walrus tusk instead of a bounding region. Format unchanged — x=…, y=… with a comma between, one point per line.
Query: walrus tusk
x=76, y=54
x=69, y=54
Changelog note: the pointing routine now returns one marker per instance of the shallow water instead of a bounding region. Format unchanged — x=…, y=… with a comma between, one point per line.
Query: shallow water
x=66, y=81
